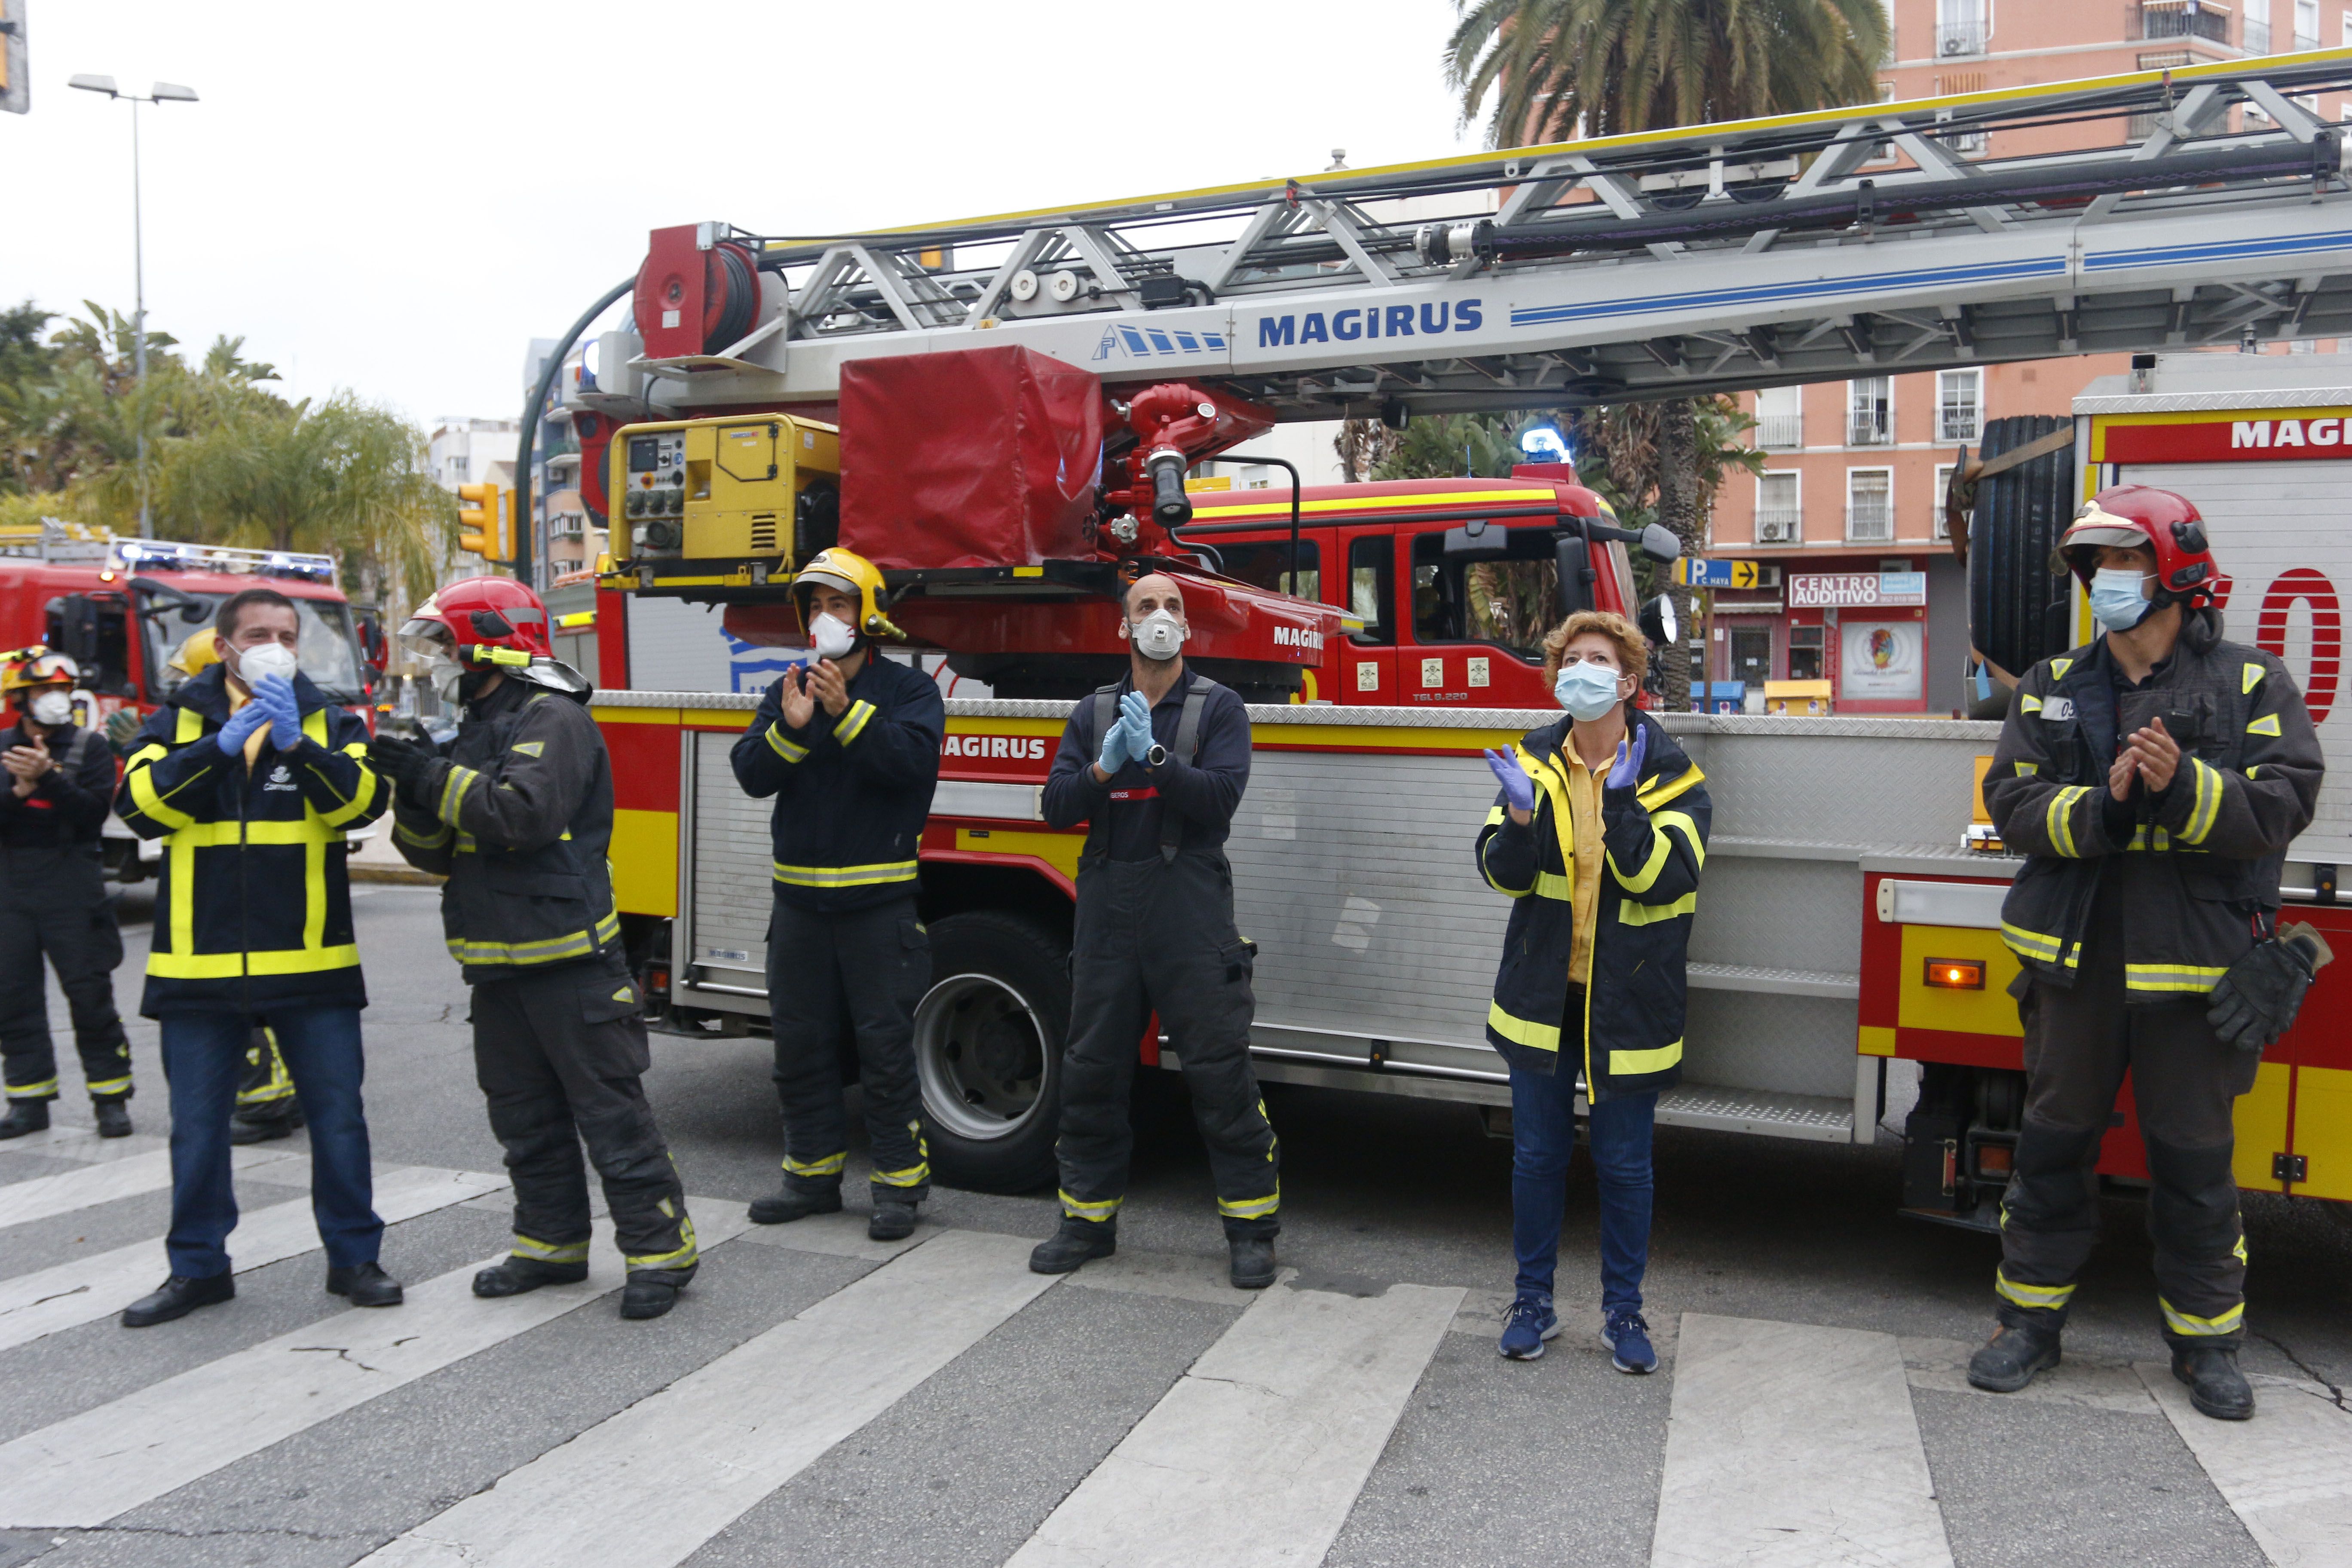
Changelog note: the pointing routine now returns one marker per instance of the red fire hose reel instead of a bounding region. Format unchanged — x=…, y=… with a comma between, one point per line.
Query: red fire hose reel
x=691, y=300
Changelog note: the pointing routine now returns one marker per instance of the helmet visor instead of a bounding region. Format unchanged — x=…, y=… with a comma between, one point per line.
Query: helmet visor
x=428, y=639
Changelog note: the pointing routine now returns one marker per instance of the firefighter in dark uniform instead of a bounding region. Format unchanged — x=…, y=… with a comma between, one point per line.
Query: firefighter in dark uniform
x=2154, y=779
x=53, y=801
x=849, y=746
x=1155, y=766
x=519, y=816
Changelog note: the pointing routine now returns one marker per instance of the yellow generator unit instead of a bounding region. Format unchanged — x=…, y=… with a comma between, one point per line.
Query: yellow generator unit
x=761, y=486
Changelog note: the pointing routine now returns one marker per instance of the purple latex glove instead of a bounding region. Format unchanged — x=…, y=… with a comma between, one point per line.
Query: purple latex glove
x=1518, y=790
x=1628, y=771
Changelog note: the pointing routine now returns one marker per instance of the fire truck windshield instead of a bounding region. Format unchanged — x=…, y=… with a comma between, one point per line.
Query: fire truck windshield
x=329, y=651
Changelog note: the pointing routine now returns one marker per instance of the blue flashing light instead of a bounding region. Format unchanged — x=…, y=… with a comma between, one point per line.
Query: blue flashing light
x=1544, y=444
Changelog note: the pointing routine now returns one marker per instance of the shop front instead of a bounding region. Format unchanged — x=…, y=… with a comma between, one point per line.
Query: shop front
x=1833, y=639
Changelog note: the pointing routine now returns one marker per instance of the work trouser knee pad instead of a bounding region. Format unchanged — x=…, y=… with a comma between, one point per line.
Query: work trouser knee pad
x=2053, y=1185
x=2192, y=1203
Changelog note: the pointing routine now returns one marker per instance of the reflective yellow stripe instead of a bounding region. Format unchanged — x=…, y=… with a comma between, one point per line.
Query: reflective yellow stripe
x=550, y=1251
x=828, y=1166
x=115, y=1085
x=2268, y=724
x=44, y=1089
x=790, y=751
x=453, y=793
x=310, y=829
x=150, y=805
x=854, y=721
x=1657, y=795
x=408, y=835
x=229, y=965
x=191, y=727
x=2059, y=667
x=1644, y=878
x=1079, y=1209
x=1633, y=1063
x=2170, y=977
x=2207, y=808
x=2181, y=1322
x=682, y=1257
x=314, y=725
x=913, y=1176
x=2140, y=839
x=2025, y=770
x=360, y=798
x=2029, y=703
x=2249, y=677
x=145, y=754
x=2030, y=943
x=1251, y=1208
x=1635, y=914
x=1522, y=1031
x=1552, y=885
x=577, y=944
x=2059, y=822
x=844, y=876
x=2044, y=1297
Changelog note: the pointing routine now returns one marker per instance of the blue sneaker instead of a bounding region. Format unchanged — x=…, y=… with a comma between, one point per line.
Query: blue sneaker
x=1527, y=1325
x=1628, y=1339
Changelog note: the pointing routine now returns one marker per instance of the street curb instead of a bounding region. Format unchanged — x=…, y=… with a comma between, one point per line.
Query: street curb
x=402, y=874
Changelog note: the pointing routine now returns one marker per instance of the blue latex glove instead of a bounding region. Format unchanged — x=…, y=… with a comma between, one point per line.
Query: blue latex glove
x=274, y=695
x=1135, y=717
x=1628, y=771
x=240, y=728
x=1115, y=753
x=1518, y=790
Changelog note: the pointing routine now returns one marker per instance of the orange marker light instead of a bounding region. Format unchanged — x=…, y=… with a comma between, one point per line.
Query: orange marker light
x=1955, y=974
x=1994, y=1159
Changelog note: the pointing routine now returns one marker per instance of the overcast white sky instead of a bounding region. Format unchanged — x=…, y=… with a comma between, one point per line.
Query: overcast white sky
x=394, y=199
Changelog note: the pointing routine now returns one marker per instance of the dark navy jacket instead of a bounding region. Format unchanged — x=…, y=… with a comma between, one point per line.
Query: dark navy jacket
x=1206, y=790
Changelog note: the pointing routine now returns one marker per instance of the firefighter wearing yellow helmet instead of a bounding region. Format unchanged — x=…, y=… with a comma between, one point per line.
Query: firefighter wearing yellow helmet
x=53, y=801
x=848, y=744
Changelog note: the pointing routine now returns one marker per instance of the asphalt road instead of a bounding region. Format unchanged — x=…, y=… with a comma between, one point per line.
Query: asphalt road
x=819, y=1399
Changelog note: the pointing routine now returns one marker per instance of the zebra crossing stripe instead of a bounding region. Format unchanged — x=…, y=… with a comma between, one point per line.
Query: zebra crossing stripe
x=1790, y=1445
x=88, y=1288
x=649, y=1486
x=43, y=1197
x=2286, y=1474
x=65, y=1140
x=85, y=1471
x=1257, y=1454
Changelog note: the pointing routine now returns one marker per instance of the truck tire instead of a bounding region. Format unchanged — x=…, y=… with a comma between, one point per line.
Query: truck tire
x=2018, y=610
x=988, y=1051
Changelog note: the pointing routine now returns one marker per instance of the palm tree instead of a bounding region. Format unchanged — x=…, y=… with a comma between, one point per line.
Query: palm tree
x=1562, y=68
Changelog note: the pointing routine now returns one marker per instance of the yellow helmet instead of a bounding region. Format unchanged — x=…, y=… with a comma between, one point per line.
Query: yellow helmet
x=201, y=651
x=37, y=666
x=850, y=574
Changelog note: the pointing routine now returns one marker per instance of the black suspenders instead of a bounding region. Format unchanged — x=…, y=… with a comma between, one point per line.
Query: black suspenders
x=1188, y=740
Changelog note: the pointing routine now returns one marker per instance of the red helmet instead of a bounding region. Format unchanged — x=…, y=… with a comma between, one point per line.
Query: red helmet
x=488, y=624
x=2141, y=516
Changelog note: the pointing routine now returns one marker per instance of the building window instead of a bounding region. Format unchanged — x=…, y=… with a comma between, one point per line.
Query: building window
x=1870, y=411
x=458, y=469
x=1960, y=27
x=2182, y=20
x=1780, y=418
x=1942, y=528
x=2306, y=24
x=1751, y=655
x=2258, y=27
x=1804, y=653
x=1780, y=507
x=1869, y=505
x=1959, y=405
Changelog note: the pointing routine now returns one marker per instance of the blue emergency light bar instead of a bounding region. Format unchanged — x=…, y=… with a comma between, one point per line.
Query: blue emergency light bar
x=148, y=555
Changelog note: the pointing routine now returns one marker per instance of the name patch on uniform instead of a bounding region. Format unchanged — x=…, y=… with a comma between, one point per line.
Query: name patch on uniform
x=1146, y=794
x=2058, y=708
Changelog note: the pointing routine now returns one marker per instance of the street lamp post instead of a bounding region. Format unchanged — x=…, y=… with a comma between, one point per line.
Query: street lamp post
x=163, y=92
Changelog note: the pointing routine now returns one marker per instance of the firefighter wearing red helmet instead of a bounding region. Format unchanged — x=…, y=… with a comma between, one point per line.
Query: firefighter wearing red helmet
x=2154, y=779
x=54, y=795
x=519, y=816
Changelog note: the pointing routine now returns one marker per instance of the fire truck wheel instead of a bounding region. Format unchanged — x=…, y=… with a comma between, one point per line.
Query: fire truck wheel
x=988, y=1051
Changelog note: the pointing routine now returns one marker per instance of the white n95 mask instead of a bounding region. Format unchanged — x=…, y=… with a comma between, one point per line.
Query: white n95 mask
x=1158, y=636
x=268, y=658
x=832, y=636
x=51, y=708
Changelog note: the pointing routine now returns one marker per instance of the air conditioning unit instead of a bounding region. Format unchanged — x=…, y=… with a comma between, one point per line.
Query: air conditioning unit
x=1770, y=532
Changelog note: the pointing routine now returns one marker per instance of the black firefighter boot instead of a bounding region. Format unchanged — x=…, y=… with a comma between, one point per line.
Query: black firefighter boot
x=24, y=1116
x=1076, y=1241
x=1253, y=1261
x=2216, y=1387
x=512, y=1276
x=263, y=1123
x=891, y=1221
x=653, y=1291
x=2008, y=1361
x=113, y=1113
x=796, y=1202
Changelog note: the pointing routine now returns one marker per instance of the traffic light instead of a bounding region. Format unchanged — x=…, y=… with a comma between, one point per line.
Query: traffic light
x=16, y=80
x=486, y=512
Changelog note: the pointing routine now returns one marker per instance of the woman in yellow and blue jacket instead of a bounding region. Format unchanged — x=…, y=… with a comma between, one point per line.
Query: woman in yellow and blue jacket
x=1598, y=834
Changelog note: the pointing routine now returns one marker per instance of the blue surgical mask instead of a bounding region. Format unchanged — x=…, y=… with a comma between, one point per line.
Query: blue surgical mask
x=2117, y=599
x=1587, y=690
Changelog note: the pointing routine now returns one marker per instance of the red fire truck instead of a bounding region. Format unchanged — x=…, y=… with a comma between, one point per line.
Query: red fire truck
x=121, y=607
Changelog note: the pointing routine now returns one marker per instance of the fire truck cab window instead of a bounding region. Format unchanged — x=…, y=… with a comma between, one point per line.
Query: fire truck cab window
x=1370, y=568
x=90, y=627
x=1265, y=564
x=1509, y=601
x=327, y=648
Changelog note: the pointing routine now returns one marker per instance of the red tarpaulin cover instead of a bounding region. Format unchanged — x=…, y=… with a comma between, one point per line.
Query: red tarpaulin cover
x=977, y=458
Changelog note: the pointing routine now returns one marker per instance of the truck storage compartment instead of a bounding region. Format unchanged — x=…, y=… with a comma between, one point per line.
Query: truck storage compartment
x=976, y=458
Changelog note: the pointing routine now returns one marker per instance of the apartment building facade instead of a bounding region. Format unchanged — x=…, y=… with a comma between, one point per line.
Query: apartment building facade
x=1849, y=507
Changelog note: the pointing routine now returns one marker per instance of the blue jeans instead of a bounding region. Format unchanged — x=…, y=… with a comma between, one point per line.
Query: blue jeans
x=203, y=1054
x=1543, y=1135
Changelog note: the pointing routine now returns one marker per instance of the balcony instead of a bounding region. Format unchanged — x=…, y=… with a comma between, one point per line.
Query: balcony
x=1867, y=428
x=1869, y=521
x=1780, y=431
x=2185, y=19
x=1956, y=422
x=1954, y=39
x=2303, y=44
x=2258, y=36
